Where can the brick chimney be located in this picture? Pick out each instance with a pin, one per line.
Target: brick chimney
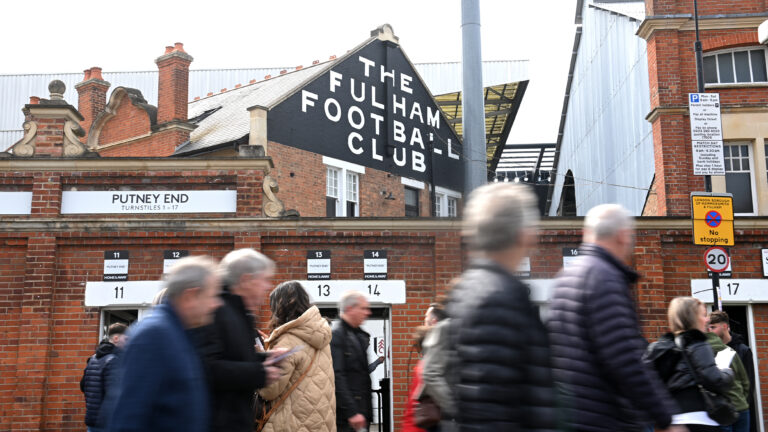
(173, 84)
(92, 96)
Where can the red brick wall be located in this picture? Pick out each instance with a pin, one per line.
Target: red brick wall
(13, 251)
(705, 7)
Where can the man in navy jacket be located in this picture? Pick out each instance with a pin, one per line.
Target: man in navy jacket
(595, 335)
(163, 387)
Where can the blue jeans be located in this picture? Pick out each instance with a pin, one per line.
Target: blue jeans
(741, 425)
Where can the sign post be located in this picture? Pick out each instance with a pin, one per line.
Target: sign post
(706, 134)
(713, 226)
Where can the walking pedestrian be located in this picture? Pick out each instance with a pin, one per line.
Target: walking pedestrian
(99, 381)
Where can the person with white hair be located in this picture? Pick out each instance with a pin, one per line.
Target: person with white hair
(496, 355)
(349, 349)
(595, 335)
(235, 369)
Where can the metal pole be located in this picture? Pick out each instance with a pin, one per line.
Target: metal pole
(716, 291)
(472, 106)
(700, 73)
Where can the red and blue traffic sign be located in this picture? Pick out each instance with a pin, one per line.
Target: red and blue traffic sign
(713, 219)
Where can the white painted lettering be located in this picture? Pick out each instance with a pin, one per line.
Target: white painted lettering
(375, 155)
(416, 138)
(450, 153)
(374, 102)
(335, 79)
(396, 105)
(351, 144)
(433, 118)
(398, 161)
(405, 83)
(368, 65)
(385, 75)
(307, 100)
(399, 131)
(335, 117)
(416, 111)
(378, 119)
(417, 162)
(362, 90)
(361, 117)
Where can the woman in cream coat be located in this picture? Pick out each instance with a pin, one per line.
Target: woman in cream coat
(311, 406)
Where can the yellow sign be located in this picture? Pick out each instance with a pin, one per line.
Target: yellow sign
(705, 204)
(712, 220)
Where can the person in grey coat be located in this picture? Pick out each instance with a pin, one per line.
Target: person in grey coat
(595, 335)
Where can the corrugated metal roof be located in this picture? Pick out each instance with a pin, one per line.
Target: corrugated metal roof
(15, 90)
(630, 9)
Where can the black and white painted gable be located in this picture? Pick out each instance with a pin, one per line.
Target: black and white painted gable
(372, 108)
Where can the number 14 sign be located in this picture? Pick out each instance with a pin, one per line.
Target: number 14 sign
(376, 291)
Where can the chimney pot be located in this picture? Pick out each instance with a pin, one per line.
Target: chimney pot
(178, 46)
(251, 81)
(266, 77)
(283, 72)
(96, 73)
(314, 62)
(224, 89)
(87, 75)
(238, 85)
(197, 97)
(210, 94)
(168, 49)
(34, 100)
(333, 57)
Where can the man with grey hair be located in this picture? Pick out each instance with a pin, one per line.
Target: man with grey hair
(235, 369)
(349, 349)
(497, 355)
(163, 386)
(595, 335)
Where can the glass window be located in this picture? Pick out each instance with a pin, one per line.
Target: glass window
(439, 204)
(332, 183)
(738, 176)
(742, 66)
(411, 202)
(452, 204)
(342, 193)
(352, 187)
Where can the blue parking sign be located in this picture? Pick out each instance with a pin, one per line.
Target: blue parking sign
(694, 97)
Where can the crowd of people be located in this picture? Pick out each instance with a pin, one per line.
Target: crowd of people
(488, 362)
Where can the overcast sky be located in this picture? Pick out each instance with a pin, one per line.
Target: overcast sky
(46, 36)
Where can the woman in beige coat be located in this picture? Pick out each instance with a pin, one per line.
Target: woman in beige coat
(311, 406)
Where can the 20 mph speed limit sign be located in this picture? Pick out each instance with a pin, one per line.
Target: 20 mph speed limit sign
(716, 259)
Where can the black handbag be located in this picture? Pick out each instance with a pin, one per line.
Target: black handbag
(426, 413)
(719, 408)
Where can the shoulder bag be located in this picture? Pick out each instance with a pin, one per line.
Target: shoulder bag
(263, 417)
(719, 408)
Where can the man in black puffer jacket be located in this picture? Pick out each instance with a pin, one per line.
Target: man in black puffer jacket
(499, 366)
(595, 335)
(100, 377)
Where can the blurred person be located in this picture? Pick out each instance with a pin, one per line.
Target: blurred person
(349, 348)
(740, 390)
(597, 347)
(163, 387)
(99, 379)
(497, 352)
(435, 313)
(303, 398)
(234, 368)
(720, 324)
(687, 323)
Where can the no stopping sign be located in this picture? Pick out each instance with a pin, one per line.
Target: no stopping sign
(716, 259)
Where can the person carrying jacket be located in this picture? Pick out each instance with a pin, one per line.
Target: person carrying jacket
(234, 368)
(100, 376)
(306, 384)
(498, 365)
(595, 335)
(738, 394)
(688, 322)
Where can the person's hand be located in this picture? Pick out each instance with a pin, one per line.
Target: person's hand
(674, 428)
(263, 335)
(357, 421)
(272, 374)
(381, 359)
(271, 354)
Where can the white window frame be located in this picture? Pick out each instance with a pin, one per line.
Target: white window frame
(345, 171)
(731, 51)
(753, 185)
(441, 201)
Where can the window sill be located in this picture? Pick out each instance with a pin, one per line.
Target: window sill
(736, 85)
